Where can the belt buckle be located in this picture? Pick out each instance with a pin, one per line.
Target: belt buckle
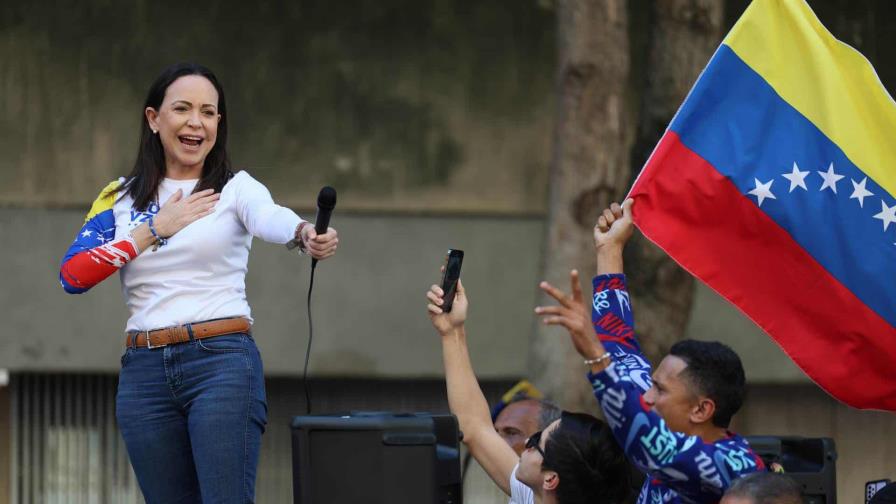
(149, 344)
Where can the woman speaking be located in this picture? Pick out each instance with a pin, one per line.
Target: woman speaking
(191, 402)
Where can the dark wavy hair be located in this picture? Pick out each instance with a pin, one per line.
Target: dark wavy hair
(142, 184)
(716, 371)
(591, 465)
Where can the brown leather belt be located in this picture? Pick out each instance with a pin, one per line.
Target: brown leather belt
(181, 334)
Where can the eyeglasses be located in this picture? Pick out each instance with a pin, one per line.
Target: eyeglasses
(534, 441)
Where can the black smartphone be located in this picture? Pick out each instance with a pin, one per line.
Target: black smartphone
(449, 277)
(872, 487)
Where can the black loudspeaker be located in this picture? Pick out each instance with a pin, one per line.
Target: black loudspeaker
(376, 458)
(811, 462)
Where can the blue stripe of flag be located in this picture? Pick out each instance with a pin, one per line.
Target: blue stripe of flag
(737, 122)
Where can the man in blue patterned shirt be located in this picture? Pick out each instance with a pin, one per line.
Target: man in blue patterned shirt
(672, 424)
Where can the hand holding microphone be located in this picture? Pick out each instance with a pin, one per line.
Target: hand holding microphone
(320, 246)
(321, 240)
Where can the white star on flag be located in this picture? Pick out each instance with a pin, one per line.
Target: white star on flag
(859, 192)
(830, 179)
(762, 191)
(86, 233)
(797, 178)
(887, 214)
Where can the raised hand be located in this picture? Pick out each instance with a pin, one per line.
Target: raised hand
(179, 212)
(445, 323)
(573, 314)
(614, 227)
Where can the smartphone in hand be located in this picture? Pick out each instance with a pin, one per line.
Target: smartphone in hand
(450, 276)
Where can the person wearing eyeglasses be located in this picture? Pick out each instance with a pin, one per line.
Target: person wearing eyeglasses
(575, 460)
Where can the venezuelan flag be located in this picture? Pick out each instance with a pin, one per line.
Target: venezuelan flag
(775, 185)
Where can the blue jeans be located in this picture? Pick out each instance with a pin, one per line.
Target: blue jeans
(192, 416)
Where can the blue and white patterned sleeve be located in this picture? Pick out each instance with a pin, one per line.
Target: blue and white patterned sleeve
(611, 315)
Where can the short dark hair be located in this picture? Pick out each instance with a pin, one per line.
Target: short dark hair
(591, 465)
(715, 370)
(142, 184)
(766, 488)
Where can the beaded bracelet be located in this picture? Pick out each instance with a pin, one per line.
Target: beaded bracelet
(159, 240)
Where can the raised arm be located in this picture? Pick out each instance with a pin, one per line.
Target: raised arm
(465, 397)
(611, 318)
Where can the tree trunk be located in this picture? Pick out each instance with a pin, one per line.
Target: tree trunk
(589, 169)
(592, 165)
(683, 36)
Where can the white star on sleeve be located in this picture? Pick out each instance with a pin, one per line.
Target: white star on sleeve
(887, 214)
(797, 178)
(859, 192)
(830, 179)
(86, 233)
(762, 191)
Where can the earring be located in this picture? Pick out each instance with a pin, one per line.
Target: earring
(154, 132)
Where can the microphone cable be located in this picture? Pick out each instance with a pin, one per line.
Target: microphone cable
(326, 202)
(308, 348)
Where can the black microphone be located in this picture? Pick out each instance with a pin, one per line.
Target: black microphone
(326, 202)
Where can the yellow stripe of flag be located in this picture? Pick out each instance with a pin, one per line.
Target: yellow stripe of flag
(827, 81)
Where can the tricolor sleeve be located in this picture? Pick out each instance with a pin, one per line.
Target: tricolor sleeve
(96, 254)
(611, 315)
(693, 468)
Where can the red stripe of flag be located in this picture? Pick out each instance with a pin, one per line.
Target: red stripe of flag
(685, 206)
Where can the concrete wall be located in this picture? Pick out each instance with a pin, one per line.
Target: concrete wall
(368, 305)
(369, 308)
(406, 106)
(402, 104)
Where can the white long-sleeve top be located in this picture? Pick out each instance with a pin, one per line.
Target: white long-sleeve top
(200, 274)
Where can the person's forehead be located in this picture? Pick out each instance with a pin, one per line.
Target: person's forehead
(519, 413)
(669, 369)
(195, 89)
